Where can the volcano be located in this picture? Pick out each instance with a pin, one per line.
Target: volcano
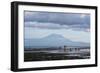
(52, 40)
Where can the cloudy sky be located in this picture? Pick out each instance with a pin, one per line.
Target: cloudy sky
(75, 27)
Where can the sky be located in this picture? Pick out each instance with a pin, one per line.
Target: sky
(72, 26)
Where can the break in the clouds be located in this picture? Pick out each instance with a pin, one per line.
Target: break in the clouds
(54, 20)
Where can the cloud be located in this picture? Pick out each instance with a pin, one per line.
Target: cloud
(45, 25)
(54, 20)
(54, 17)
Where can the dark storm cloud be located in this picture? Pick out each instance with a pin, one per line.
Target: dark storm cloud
(70, 20)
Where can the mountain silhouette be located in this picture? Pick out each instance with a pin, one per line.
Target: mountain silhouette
(53, 40)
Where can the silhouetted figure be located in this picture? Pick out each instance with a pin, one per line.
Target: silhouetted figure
(65, 48)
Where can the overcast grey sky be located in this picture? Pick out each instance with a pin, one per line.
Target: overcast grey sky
(72, 26)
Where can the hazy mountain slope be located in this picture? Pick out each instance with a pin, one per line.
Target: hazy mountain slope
(53, 40)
